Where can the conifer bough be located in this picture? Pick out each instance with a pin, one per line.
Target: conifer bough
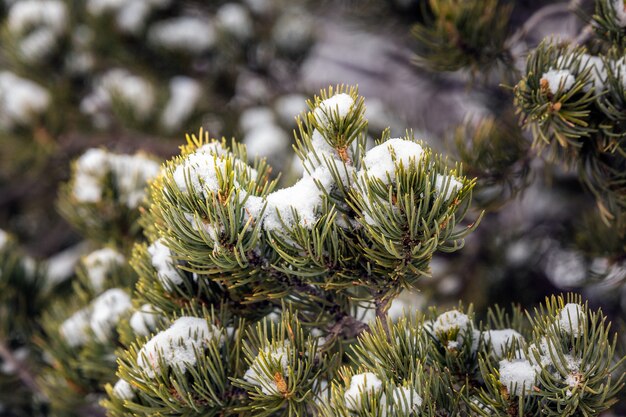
(250, 300)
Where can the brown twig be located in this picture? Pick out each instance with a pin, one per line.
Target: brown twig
(382, 305)
(22, 372)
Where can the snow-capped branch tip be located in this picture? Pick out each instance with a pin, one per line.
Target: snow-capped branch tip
(338, 114)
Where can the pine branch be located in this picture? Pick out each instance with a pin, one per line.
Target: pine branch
(382, 303)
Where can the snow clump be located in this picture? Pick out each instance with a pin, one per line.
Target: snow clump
(119, 84)
(500, 339)
(177, 345)
(123, 390)
(100, 317)
(130, 15)
(26, 15)
(185, 93)
(447, 186)
(339, 104)
(235, 19)
(450, 321)
(4, 239)
(382, 161)
(361, 383)
(107, 309)
(298, 204)
(558, 80)
(144, 320)
(597, 73)
(571, 319)
(201, 170)
(98, 265)
(184, 34)
(74, 329)
(21, 101)
(517, 376)
(131, 174)
(404, 401)
(269, 357)
(38, 25)
(164, 264)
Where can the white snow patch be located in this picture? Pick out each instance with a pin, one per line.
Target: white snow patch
(21, 100)
(130, 174)
(447, 186)
(98, 265)
(177, 345)
(144, 320)
(559, 80)
(185, 93)
(382, 161)
(339, 104)
(235, 19)
(397, 309)
(37, 45)
(321, 151)
(4, 239)
(185, 34)
(266, 141)
(597, 74)
(293, 32)
(261, 7)
(298, 204)
(99, 7)
(164, 264)
(119, 84)
(404, 401)
(257, 374)
(75, 329)
(29, 14)
(566, 268)
(500, 339)
(572, 319)
(254, 117)
(106, 312)
(451, 320)
(201, 169)
(517, 376)
(123, 390)
(91, 168)
(287, 107)
(359, 384)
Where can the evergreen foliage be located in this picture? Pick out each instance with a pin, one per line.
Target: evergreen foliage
(215, 286)
(569, 95)
(251, 300)
(458, 34)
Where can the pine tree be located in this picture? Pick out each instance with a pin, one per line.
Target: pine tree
(216, 285)
(252, 300)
